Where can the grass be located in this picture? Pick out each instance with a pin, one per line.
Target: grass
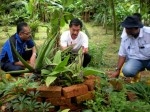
(100, 38)
(105, 61)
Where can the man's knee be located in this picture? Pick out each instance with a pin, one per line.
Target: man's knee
(18, 68)
(11, 67)
(129, 72)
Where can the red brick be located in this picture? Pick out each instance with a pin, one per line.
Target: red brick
(90, 77)
(96, 78)
(90, 83)
(39, 99)
(52, 91)
(75, 90)
(52, 110)
(59, 101)
(87, 96)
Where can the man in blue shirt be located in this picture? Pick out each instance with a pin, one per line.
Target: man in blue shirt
(24, 46)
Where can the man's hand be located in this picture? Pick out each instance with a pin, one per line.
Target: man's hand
(32, 59)
(114, 74)
(84, 50)
(19, 63)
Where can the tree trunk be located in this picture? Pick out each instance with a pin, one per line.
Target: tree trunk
(114, 21)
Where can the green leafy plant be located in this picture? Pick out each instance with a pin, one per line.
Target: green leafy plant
(98, 57)
(34, 23)
(141, 89)
(5, 21)
(44, 107)
(9, 90)
(28, 103)
(109, 100)
(61, 72)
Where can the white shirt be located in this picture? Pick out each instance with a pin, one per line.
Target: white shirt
(123, 33)
(80, 41)
(138, 48)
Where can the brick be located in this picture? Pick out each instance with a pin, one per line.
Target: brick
(91, 81)
(59, 101)
(90, 77)
(96, 78)
(87, 96)
(90, 84)
(52, 91)
(75, 90)
(52, 110)
(39, 99)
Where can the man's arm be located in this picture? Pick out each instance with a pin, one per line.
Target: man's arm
(19, 63)
(84, 50)
(33, 57)
(31, 61)
(85, 43)
(121, 61)
(63, 41)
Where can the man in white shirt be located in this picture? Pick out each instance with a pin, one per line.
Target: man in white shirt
(76, 38)
(136, 46)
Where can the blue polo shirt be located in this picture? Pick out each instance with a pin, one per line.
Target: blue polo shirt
(21, 46)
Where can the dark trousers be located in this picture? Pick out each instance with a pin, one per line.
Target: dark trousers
(9, 66)
(87, 59)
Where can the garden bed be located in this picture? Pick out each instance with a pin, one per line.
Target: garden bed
(70, 97)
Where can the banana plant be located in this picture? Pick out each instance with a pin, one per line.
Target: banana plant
(59, 71)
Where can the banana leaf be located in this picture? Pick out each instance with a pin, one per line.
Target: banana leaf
(18, 71)
(45, 49)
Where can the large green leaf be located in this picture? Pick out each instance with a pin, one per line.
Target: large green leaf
(62, 22)
(50, 47)
(56, 14)
(62, 63)
(68, 16)
(44, 51)
(57, 57)
(60, 70)
(53, 73)
(49, 80)
(47, 61)
(18, 71)
(90, 71)
(45, 71)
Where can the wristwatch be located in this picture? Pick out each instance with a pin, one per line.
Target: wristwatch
(116, 69)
